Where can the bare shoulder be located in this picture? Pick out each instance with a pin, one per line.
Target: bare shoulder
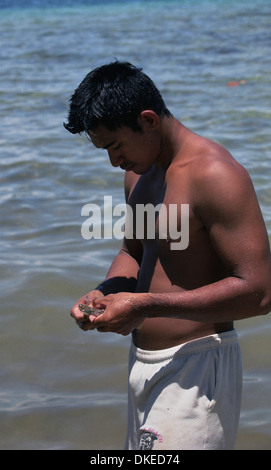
(223, 194)
(218, 176)
(213, 158)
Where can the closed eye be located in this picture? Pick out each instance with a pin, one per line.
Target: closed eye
(116, 147)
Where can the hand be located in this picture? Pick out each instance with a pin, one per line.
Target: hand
(122, 313)
(80, 318)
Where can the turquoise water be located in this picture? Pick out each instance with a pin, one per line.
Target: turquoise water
(62, 388)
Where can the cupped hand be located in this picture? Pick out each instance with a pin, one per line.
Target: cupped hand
(122, 313)
(84, 322)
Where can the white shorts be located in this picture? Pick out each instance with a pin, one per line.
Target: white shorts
(186, 397)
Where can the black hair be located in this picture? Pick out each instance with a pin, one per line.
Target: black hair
(113, 95)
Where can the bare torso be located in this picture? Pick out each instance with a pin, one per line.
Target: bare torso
(167, 296)
(165, 270)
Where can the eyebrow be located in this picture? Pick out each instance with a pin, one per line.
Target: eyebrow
(109, 145)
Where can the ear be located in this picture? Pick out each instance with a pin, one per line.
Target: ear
(149, 119)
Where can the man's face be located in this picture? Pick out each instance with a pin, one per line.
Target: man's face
(130, 150)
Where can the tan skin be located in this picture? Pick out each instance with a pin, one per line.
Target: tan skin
(222, 276)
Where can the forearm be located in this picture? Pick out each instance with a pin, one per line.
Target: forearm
(227, 300)
(122, 275)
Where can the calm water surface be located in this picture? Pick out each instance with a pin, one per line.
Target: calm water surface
(62, 388)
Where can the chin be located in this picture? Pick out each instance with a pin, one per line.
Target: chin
(138, 172)
(141, 171)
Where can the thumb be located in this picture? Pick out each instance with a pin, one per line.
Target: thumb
(99, 306)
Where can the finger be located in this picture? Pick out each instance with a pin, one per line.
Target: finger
(87, 324)
(83, 325)
(78, 314)
(75, 312)
(102, 329)
(97, 320)
(78, 317)
(91, 320)
(99, 304)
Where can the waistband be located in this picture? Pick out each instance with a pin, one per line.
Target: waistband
(205, 343)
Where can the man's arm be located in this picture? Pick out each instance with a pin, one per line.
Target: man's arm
(229, 209)
(227, 204)
(123, 273)
(121, 277)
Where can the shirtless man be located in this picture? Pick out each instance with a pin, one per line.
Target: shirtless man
(178, 304)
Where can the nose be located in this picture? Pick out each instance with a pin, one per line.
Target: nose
(115, 159)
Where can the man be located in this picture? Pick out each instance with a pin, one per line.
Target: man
(179, 301)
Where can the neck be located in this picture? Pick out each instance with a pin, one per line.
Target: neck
(173, 138)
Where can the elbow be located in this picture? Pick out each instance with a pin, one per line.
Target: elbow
(260, 299)
(266, 292)
(265, 303)
(265, 308)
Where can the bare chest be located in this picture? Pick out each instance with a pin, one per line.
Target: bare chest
(158, 210)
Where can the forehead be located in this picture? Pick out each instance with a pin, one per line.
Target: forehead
(104, 138)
